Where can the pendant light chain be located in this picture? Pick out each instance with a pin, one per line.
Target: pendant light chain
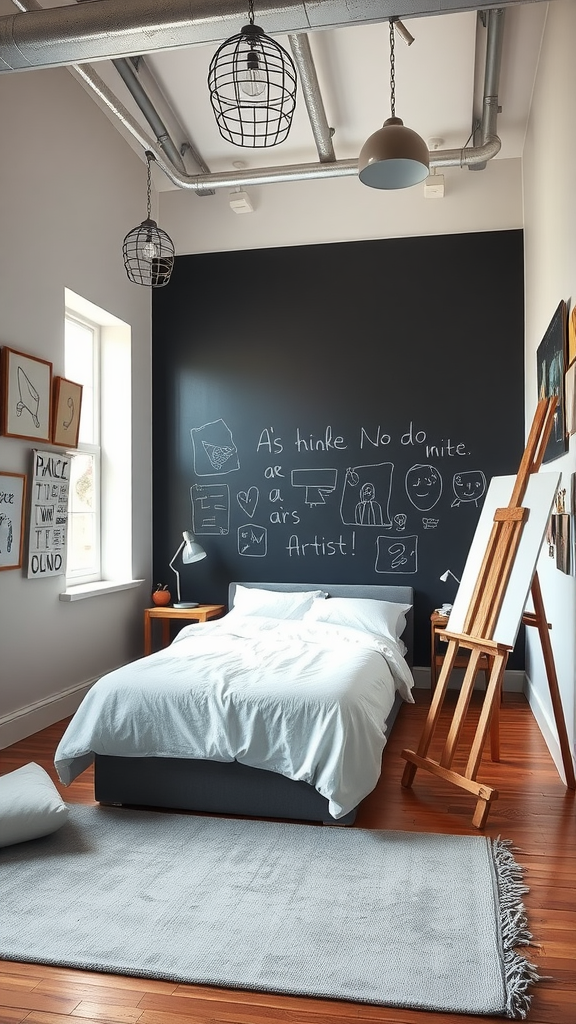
(149, 157)
(392, 71)
(251, 11)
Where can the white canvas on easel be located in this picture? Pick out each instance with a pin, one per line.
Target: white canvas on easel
(539, 500)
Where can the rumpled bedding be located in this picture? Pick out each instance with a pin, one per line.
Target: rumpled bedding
(307, 701)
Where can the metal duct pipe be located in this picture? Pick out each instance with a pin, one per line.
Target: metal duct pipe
(105, 29)
(300, 46)
(202, 183)
(128, 75)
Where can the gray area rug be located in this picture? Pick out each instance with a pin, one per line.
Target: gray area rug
(391, 918)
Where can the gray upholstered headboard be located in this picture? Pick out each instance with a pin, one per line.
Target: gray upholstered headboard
(399, 595)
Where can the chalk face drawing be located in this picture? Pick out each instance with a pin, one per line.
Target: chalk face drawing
(318, 483)
(423, 486)
(252, 540)
(470, 486)
(397, 555)
(248, 500)
(366, 495)
(214, 449)
(210, 508)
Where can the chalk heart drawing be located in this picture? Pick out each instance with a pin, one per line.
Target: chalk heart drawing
(248, 500)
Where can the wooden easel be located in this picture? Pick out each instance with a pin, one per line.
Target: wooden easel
(477, 637)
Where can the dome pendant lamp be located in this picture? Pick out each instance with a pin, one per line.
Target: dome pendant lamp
(394, 156)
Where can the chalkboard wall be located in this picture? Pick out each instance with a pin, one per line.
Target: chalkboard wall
(335, 412)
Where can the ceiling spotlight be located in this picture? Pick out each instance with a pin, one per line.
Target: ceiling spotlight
(394, 156)
(252, 83)
(148, 252)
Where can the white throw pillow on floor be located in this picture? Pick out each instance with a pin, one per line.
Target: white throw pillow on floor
(30, 805)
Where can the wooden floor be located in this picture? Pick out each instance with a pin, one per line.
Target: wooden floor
(534, 810)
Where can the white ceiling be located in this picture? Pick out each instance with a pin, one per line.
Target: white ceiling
(439, 81)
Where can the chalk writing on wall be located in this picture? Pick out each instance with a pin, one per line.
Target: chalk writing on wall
(318, 495)
(49, 493)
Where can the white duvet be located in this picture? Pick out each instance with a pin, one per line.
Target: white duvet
(307, 701)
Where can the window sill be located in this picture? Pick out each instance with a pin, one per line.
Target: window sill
(95, 589)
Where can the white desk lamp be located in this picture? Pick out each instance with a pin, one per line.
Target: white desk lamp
(445, 575)
(192, 551)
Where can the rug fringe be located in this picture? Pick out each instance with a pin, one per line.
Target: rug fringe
(519, 972)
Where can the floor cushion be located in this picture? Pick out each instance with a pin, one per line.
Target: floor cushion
(30, 805)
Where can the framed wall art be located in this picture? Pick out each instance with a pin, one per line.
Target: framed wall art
(551, 361)
(66, 412)
(12, 494)
(48, 526)
(26, 396)
(572, 336)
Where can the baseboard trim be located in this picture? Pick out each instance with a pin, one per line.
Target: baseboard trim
(514, 679)
(24, 722)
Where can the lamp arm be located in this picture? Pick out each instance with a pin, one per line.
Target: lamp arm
(175, 571)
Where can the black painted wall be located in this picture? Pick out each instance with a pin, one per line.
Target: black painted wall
(335, 412)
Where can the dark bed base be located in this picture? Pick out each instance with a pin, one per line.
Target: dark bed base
(214, 787)
(218, 787)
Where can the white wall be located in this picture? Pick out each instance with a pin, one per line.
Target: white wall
(342, 209)
(550, 256)
(70, 190)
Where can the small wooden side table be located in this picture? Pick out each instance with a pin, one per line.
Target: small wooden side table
(200, 614)
(438, 622)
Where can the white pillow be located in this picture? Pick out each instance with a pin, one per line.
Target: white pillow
(30, 805)
(274, 603)
(379, 617)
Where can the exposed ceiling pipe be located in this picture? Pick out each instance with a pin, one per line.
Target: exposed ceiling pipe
(308, 81)
(105, 29)
(203, 183)
(127, 73)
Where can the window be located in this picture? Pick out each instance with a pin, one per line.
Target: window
(82, 365)
(97, 354)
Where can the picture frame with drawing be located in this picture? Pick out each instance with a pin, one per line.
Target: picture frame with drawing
(26, 395)
(67, 405)
(551, 362)
(12, 498)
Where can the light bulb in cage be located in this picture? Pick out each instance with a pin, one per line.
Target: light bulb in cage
(147, 251)
(252, 81)
(252, 84)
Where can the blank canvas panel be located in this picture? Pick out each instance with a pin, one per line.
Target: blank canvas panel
(539, 499)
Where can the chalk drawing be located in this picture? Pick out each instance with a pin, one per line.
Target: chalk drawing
(366, 493)
(214, 449)
(318, 483)
(423, 486)
(469, 486)
(397, 556)
(248, 500)
(210, 508)
(252, 540)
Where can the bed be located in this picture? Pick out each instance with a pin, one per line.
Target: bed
(294, 692)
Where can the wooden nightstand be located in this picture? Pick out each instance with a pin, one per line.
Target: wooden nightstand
(200, 614)
(438, 622)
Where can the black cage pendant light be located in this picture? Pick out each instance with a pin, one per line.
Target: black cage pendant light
(394, 156)
(148, 251)
(252, 83)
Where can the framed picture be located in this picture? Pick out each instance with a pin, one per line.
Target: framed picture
(26, 396)
(570, 398)
(66, 412)
(12, 494)
(562, 539)
(551, 361)
(572, 336)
